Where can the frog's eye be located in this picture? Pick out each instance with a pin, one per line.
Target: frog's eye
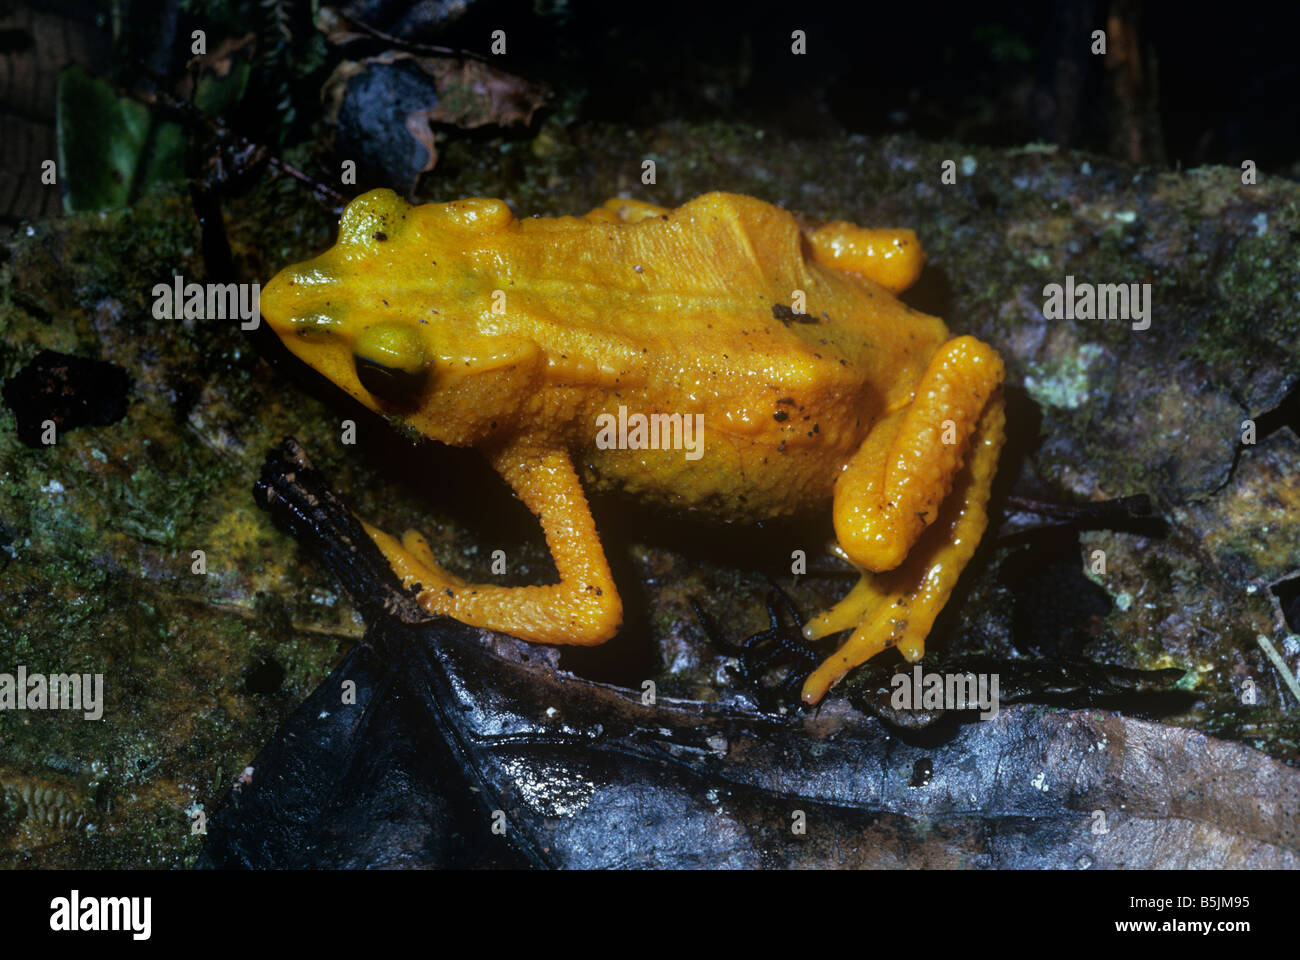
(392, 363)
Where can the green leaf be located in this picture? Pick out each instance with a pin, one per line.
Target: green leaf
(215, 95)
(111, 148)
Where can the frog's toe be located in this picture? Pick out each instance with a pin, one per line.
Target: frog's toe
(412, 560)
(414, 543)
(886, 618)
(848, 613)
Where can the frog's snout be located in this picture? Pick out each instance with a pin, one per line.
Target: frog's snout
(276, 300)
(298, 301)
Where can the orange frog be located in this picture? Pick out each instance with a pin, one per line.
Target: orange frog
(524, 338)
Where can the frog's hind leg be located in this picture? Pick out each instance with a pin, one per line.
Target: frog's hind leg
(583, 608)
(910, 509)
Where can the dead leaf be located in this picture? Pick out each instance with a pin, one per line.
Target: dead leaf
(449, 735)
(383, 108)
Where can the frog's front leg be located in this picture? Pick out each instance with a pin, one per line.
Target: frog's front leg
(583, 608)
(910, 509)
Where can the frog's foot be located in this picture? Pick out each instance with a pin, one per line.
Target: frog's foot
(897, 607)
(892, 258)
(583, 608)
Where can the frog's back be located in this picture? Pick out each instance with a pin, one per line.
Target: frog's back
(701, 295)
(691, 310)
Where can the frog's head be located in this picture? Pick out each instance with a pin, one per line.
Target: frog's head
(390, 314)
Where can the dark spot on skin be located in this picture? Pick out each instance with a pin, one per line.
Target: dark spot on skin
(448, 592)
(780, 416)
(817, 428)
(788, 401)
(787, 315)
(381, 236)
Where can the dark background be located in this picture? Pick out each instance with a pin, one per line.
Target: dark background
(1182, 85)
(1217, 84)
